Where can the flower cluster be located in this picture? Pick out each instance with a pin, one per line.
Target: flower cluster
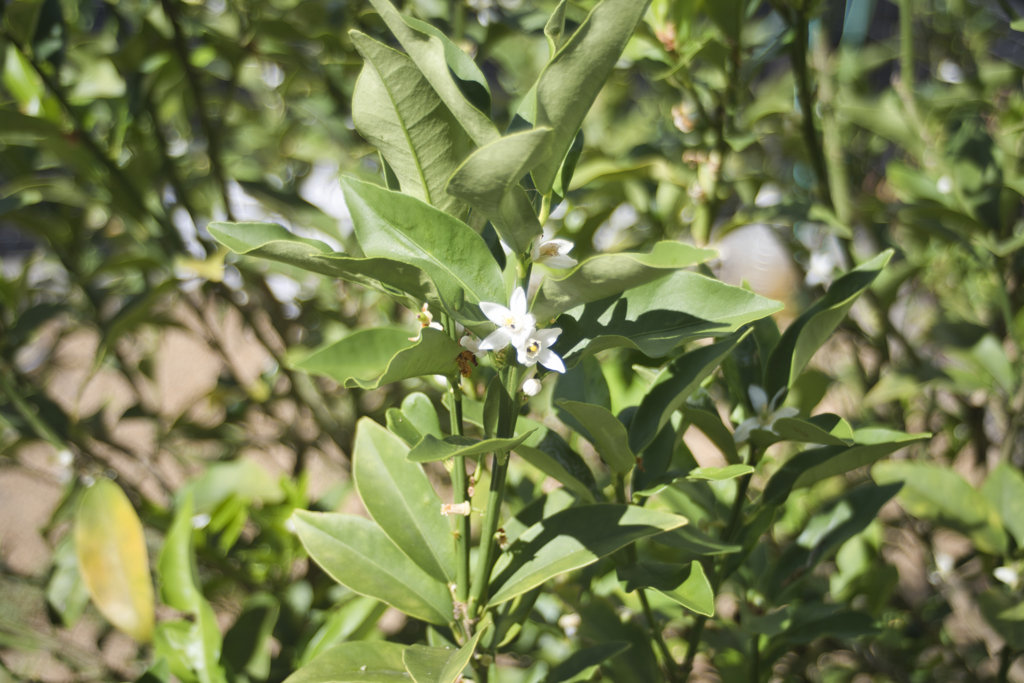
(518, 326)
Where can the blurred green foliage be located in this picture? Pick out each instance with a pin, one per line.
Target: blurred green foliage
(846, 128)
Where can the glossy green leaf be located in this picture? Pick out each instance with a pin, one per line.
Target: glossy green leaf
(609, 436)
(807, 333)
(572, 79)
(1004, 489)
(572, 539)
(197, 642)
(695, 592)
(395, 226)
(944, 497)
(489, 181)
(438, 664)
(673, 386)
(400, 498)
(356, 553)
(445, 66)
(606, 275)
(815, 464)
(398, 112)
(115, 565)
(377, 356)
(402, 427)
(848, 516)
(407, 284)
(810, 622)
(432, 449)
(656, 317)
(580, 665)
(718, 473)
(362, 661)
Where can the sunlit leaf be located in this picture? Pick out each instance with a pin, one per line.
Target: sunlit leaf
(115, 565)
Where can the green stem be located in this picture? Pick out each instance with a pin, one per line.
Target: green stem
(671, 666)
(508, 414)
(798, 57)
(906, 45)
(755, 658)
(212, 140)
(459, 490)
(735, 516)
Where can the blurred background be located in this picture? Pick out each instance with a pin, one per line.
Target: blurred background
(133, 347)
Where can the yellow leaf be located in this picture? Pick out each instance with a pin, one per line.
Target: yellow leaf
(113, 560)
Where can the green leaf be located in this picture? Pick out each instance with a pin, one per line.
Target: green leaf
(673, 386)
(361, 661)
(695, 592)
(489, 181)
(711, 424)
(377, 356)
(356, 553)
(656, 317)
(572, 79)
(396, 226)
(66, 592)
(416, 418)
(446, 67)
(842, 520)
(572, 539)
(808, 332)
(407, 284)
(432, 449)
(353, 620)
(1004, 489)
(398, 112)
(609, 436)
(112, 559)
(606, 275)
(580, 665)
(243, 478)
(826, 429)
(1003, 612)
(400, 498)
(694, 542)
(549, 453)
(941, 495)
(811, 622)
(815, 464)
(554, 29)
(718, 473)
(437, 664)
(247, 644)
(197, 643)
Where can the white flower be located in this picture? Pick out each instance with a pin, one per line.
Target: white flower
(820, 270)
(766, 416)
(535, 349)
(471, 343)
(426, 319)
(944, 184)
(1007, 575)
(514, 323)
(553, 253)
(770, 194)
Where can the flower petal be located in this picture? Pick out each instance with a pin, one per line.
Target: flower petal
(548, 335)
(498, 339)
(551, 361)
(560, 262)
(496, 313)
(758, 398)
(518, 302)
(742, 432)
